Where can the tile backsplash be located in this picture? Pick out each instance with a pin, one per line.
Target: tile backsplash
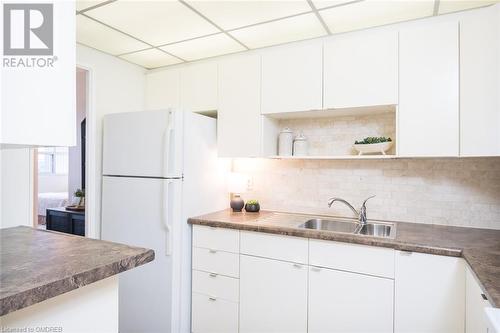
(448, 191)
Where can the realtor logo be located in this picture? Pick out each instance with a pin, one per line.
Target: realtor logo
(28, 29)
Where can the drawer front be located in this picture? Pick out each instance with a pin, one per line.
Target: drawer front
(213, 315)
(353, 258)
(216, 238)
(218, 262)
(216, 285)
(279, 247)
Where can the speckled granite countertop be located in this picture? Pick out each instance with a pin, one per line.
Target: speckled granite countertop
(36, 265)
(479, 247)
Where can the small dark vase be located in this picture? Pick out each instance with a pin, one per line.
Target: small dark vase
(252, 208)
(237, 203)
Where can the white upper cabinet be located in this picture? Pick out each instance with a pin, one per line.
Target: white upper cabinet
(163, 89)
(199, 87)
(292, 78)
(38, 99)
(239, 124)
(429, 293)
(428, 90)
(361, 69)
(480, 83)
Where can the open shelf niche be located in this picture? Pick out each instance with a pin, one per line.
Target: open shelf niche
(331, 133)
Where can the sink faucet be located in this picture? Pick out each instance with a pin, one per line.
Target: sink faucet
(362, 211)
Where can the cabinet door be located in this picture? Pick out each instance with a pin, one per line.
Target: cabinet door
(213, 315)
(480, 83)
(38, 99)
(163, 89)
(348, 302)
(273, 296)
(475, 303)
(199, 87)
(239, 127)
(428, 90)
(292, 78)
(429, 293)
(361, 69)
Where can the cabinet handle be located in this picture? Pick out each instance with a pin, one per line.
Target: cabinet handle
(297, 266)
(484, 297)
(315, 269)
(212, 251)
(213, 299)
(406, 253)
(212, 275)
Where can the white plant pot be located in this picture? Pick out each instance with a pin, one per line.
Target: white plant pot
(373, 148)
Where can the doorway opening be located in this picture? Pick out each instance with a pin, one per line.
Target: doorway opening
(59, 175)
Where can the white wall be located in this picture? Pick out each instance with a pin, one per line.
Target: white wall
(16, 192)
(75, 153)
(52, 183)
(114, 86)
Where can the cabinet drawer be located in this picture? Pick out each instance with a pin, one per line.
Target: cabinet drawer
(279, 247)
(215, 261)
(216, 285)
(213, 315)
(216, 238)
(353, 258)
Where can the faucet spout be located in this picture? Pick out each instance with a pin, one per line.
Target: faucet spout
(361, 215)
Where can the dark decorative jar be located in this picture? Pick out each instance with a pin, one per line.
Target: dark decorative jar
(252, 206)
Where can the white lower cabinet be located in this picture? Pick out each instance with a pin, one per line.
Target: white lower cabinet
(475, 303)
(429, 293)
(273, 296)
(213, 315)
(348, 302)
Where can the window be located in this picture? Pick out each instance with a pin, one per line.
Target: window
(53, 160)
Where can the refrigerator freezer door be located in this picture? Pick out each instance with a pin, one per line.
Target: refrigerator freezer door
(145, 212)
(143, 144)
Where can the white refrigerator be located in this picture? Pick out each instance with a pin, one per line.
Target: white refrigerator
(159, 168)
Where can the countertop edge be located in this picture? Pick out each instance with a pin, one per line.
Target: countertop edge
(55, 288)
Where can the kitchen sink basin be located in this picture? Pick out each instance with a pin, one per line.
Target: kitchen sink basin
(384, 230)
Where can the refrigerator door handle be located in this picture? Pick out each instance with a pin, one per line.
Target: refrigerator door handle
(166, 145)
(165, 217)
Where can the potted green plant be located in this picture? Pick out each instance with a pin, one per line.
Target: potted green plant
(80, 194)
(252, 206)
(373, 144)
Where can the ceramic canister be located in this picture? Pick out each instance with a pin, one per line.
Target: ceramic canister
(285, 142)
(300, 146)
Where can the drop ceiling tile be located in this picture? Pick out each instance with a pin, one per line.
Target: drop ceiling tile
(236, 14)
(151, 58)
(204, 47)
(329, 3)
(448, 6)
(155, 22)
(371, 13)
(278, 32)
(96, 35)
(84, 4)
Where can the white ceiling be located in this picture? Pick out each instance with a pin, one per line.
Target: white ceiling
(166, 32)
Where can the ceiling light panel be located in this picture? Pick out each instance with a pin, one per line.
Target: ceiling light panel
(371, 13)
(329, 3)
(81, 5)
(98, 36)
(151, 58)
(283, 31)
(155, 22)
(448, 6)
(237, 14)
(204, 47)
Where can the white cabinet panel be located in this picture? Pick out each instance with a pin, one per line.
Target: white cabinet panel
(287, 248)
(163, 89)
(273, 296)
(361, 69)
(239, 127)
(292, 78)
(213, 315)
(475, 319)
(216, 238)
(346, 302)
(480, 83)
(218, 262)
(428, 90)
(429, 293)
(199, 86)
(215, 285)
(38, 104)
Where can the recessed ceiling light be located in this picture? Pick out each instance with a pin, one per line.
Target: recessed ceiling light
(151, 58)
(204, 47)
(371, 13)
(282, 31)
(98, 36)
(155, 22)
(237, 14)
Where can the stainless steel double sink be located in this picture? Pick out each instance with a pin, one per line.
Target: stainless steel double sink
(373, 229)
